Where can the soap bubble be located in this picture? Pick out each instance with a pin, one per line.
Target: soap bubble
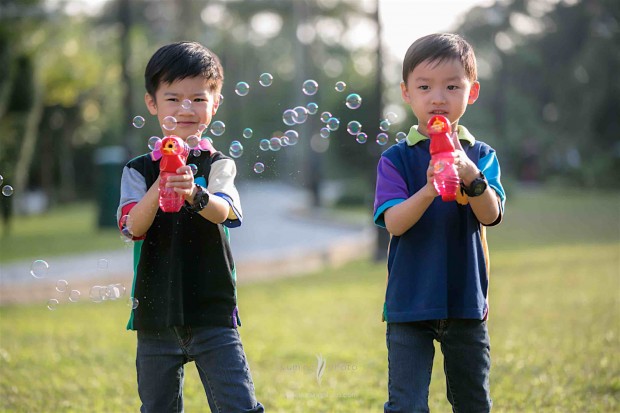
(354, 127)
(38, 268)
(400, 136)
(61, 286)
(196, 153)
(102, 264)
(340, 86)
(310, 87)
(382, 138)
(7, 190)
(289, 117)
(193, 168)
(290, 137)
(301, 114)
(74, 296)
(325, 116)
(186, 104)
(218, 127)
(97, 293)
(312, 108)
(201, 128)
(259, 167)
(384, 125)
(247, 133)
(242, 88)
(265, 79)
(333, 124)
(1, 179)
(192, 141)
(264, 144)
(153, 140)
(220, 99)
(324, 132)
(132, 302)
(353, 101)
(52, 303)
(391, 117)
(138, 122)
(275, 144)
(361, 137)
(169, 123)
(235, 149)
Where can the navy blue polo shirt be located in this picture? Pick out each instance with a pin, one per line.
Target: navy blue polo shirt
(439, 268)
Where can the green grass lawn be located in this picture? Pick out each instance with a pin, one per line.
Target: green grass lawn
(70, 229)
(554, 325)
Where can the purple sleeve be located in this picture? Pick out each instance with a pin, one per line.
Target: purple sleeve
(391, 189)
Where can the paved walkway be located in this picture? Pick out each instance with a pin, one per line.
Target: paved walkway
(280, 236)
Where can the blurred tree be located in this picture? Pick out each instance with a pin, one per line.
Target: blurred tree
(549, 90)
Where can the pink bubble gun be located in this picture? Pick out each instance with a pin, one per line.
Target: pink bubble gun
(446, 179)
(174, 154)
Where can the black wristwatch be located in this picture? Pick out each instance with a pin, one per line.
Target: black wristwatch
(477, 186)
(201, 199)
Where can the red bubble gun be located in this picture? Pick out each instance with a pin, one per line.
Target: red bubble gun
(446, 179)
(174, 154)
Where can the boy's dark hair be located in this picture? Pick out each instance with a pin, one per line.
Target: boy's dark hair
(180, 60)
(437, 48)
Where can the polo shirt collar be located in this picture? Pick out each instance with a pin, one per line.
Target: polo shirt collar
(415, 137)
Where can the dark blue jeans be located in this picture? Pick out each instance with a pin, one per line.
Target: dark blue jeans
(220, 360)
(467, 360)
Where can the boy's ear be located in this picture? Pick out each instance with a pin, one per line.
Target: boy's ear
(150, 103)
(404, 92)
(216, 105)
(474, 92)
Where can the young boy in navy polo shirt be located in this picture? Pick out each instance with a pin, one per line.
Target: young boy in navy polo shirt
(184, 273)
(438, 264)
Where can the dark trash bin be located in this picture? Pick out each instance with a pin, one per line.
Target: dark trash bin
(109, 162)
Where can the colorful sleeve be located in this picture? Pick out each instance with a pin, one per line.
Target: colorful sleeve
(489, 165)
(222, 183)
(133, 188)
(391, 189)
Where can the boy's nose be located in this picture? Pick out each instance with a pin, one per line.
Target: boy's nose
(438, 98)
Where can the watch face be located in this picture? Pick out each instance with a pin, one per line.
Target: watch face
(479, 186)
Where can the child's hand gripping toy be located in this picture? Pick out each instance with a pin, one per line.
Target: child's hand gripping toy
(446, 178)
(174, 154)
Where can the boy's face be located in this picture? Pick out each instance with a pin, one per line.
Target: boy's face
(168, 101)
(439, 89)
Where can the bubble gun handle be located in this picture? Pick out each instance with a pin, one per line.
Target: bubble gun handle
(174, 155)
(446, 178)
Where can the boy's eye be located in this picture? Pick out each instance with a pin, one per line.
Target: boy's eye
(200, 100)
(423, 87)
(172, 100)
(453, 87)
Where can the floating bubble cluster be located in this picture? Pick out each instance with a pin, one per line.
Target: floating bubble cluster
(235, 149)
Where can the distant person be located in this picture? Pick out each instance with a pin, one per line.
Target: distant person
(184, 279)
(438, 263)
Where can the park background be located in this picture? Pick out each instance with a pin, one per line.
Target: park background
(71, 83)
